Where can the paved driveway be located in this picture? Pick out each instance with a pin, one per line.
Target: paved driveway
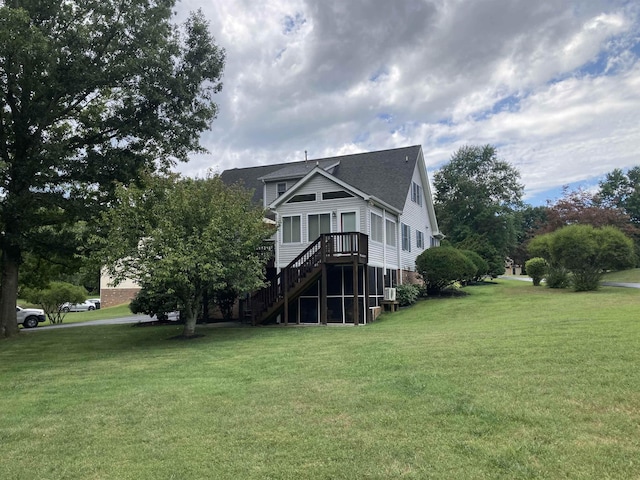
(107, 321)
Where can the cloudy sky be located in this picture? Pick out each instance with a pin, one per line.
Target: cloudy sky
(554, 85)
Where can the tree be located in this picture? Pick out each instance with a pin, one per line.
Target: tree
(622, 190)
(441, 267)
(53, 296)
(187, 237)
(586, 252)
(476, 198)
(92, 94)
(536, 269)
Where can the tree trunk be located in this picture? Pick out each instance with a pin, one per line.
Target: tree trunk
(190, 321)
(9, 292)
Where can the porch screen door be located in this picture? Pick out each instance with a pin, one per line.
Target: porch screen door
(347, 224)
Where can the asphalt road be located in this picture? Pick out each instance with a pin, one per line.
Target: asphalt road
(107, 321)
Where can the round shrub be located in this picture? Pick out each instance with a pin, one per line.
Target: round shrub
(536, 268)
(407, 294)
(441, 267)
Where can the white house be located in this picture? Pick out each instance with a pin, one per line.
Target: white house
(349, 226)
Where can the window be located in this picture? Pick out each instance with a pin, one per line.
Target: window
(376, 227)
(291, 229)
(406, 237)
(336, 194)
(433, 242)
(282, 187)
(308, 197)
(419, 239)
(416, 193)
(318, 224)
(391, 233)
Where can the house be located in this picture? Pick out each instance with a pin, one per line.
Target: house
(349, 227)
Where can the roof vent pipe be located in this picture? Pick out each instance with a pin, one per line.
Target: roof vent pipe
(305, 156)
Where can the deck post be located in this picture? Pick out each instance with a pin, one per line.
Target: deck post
(285, 279)
(365, 270)
(356, 277)
(323, 282)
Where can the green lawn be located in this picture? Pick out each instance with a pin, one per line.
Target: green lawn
(110, 312)
(510, 382)
(625, 276)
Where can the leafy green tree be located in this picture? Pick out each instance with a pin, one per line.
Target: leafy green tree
(537, 269)
(441, 267)
(187, 237)
(622, 190)
(92, 94)
(586, 252)
(51, 297)
(476, 197)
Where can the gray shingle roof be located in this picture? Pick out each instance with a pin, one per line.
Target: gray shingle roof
(385, 174)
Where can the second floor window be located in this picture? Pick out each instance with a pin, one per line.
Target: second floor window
(416, 193)
(391, 233)
(282, 187)
(419, 239)
(291, 229)
(376, 228)
(318, 224)
(406, 237)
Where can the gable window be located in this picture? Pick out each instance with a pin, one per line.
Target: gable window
(282, 187)
(376, 227)
(406, 237)
(391, 233)
(416, 193)
(318, 224)
(291, 229)
(419, 239)
(308, 197)
(336, 194)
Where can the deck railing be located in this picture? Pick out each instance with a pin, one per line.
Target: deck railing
(329, 247)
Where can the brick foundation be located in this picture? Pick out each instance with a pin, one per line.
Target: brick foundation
(110, 297)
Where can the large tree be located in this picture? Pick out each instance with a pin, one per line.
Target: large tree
(92, 93)
(476, 198)
(621, 190)
(187, 237)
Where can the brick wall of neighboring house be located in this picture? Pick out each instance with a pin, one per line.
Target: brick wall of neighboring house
(411, 277)
(110, 297)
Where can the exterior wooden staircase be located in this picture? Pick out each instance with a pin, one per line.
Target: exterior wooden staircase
(306, 268)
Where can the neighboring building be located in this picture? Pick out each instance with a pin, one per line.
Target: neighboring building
(349, 226)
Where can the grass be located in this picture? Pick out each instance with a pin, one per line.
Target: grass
(510, 382)
(118, 311)
(624, 276)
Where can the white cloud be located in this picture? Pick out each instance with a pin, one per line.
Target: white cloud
(553, 84)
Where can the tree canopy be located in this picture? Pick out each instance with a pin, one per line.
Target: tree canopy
(187, 237)
(476, 196)
(93, 93)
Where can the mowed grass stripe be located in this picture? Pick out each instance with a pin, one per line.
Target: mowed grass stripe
(511, 381)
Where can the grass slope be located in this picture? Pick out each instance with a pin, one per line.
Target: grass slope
(509, 382)
(625, 276)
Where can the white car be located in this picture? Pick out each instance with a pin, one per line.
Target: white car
(78, 307)
(30, 317)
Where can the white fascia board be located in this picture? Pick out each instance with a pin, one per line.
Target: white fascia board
(316, 171)
(428, 196)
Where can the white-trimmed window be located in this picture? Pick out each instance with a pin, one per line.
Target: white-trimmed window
(376, 228)
(291, 229)
(282, 188)
(391, 233)
(419, 239)
(416, 193)
(406, 237)
(318, 223)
